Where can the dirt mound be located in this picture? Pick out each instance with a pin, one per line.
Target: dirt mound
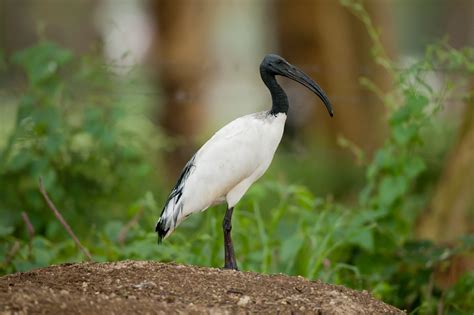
(151, 287)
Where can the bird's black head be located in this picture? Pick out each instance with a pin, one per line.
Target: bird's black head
(275, 65)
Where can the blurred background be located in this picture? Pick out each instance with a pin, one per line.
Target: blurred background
(108, 99)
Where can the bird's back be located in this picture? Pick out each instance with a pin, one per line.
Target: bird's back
(239, 153)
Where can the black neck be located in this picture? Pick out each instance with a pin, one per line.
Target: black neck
(279, 98)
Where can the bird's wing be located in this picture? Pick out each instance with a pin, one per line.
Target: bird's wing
(228, 157)
(173, 208)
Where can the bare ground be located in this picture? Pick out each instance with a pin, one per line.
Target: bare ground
(148, 287)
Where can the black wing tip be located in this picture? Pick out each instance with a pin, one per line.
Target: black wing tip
(161, 230)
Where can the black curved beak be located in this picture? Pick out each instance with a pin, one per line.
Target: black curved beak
(299, 76)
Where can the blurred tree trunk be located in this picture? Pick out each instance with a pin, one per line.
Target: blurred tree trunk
(179, 55)
(333, 47)
(451, 212)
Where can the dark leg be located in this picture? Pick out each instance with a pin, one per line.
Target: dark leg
(230, 262)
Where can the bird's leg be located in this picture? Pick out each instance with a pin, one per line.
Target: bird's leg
(230, 262)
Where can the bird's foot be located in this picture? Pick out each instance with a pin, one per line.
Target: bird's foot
(231, 266)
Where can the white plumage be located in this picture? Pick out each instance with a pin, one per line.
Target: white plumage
(218, 172)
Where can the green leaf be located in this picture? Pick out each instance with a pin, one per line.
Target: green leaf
(413, 166)
(413, 108)
(403, 134)
(363, 237)
(42, 61)
(415, 102)
(391, 188)
(384, 160)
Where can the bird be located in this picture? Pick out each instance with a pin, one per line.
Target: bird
(237, 155)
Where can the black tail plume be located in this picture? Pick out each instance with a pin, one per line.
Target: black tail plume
(161, 230)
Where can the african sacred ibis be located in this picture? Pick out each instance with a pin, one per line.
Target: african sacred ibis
(235, 157)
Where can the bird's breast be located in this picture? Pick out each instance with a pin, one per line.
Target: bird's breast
(272, 131)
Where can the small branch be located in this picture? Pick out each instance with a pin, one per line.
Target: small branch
(124, 230)
(29, 228)
(12, 253)
(61, 219)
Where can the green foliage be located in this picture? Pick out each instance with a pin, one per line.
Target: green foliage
(463, 288)
(75, 127)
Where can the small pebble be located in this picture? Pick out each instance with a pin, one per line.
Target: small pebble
(244, 300)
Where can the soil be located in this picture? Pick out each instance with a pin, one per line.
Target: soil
(148, 287)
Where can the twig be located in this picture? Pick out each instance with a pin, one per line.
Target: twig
(61, 219)
(29, 228)
(124, 230)
(12, 253)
